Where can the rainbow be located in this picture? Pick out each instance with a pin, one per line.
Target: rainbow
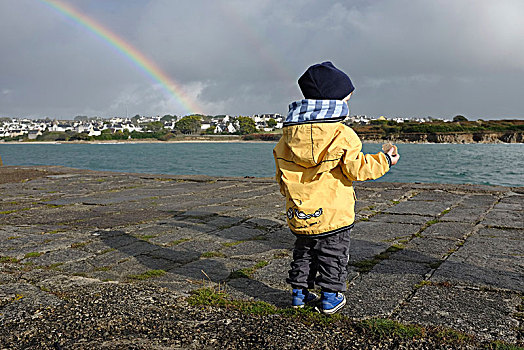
(127, 50)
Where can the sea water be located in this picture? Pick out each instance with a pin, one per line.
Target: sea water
(489, 164)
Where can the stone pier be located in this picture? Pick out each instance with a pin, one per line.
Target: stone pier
(105, 260)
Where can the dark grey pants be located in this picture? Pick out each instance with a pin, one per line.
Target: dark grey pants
(321, 261)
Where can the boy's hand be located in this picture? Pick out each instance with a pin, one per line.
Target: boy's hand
(393, 154)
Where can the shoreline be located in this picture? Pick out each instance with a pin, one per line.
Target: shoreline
(111, 142)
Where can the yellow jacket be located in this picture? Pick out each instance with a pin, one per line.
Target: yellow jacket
(316, 164)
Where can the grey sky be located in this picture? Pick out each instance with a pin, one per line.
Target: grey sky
(434, 58)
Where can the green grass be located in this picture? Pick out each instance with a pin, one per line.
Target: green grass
(80, 274)
(387, 328)
(217, 297)
(147, 275)
(248, 271)
(8, 259)
(102, 268)
(431, 222)
(55, 266)
(79, 244)
(108, 250)
(364, 266)
(8, 211)
(212, 255)
(498, 345)
(232, 244)
(422, 284)
(33, 255)
(56, 231)
(281, 254)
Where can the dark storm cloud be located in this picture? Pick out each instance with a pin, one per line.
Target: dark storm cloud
(407, 58)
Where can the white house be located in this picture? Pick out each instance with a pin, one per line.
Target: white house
(231, 128)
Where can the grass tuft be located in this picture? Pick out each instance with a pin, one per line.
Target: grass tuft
(208, 297)
(248, 271)
(8, 259)
(365, 266)
(33, 255)
(8, 212)
(232, 244)
(218, 297)
(431, 222)
(387, 328)
(146, 275)
(79, 244)
(55, 266)
(445, 211)
(212, 255)
(452, 336)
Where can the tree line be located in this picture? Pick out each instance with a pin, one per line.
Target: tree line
(459, 125)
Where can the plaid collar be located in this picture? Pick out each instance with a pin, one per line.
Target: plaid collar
(316, 111)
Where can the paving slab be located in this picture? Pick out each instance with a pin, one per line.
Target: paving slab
(418, 207)
(489, 258)
(458, 308)
(425, 250)
(505, 218)
(376, 231)
(461, 213)
(380, 292)
(448, 230)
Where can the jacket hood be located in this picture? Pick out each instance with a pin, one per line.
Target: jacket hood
(310, 129)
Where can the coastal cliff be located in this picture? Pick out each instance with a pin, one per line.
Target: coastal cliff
(490, 137)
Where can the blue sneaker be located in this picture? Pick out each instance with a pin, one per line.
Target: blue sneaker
(332, 302)
(302, 297)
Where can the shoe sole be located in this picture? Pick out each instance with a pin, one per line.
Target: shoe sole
(308, 303)
(336, 308)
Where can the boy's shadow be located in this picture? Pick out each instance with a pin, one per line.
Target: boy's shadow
(186, 264)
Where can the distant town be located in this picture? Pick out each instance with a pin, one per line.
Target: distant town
(93, 128)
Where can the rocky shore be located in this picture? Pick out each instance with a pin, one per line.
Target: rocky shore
(459, 138)
(100, 260)
(485, 137)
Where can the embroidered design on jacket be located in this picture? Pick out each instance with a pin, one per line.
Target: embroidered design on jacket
(301, 215)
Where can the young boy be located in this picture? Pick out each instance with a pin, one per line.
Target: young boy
(317, 159)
